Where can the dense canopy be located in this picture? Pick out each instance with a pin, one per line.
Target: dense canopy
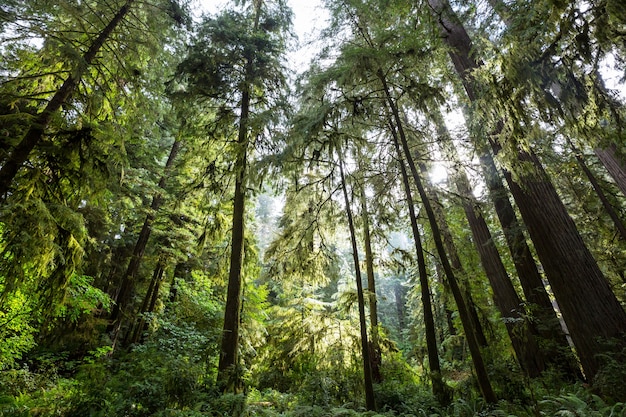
(429, 219)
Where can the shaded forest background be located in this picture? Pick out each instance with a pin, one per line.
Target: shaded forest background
(427, 221)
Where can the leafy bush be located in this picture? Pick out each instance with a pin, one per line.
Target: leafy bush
(580, 404)
(610, 381)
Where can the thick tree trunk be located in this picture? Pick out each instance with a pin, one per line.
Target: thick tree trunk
(556, 346)
(367, 370)
(33, 136)
(441, 391)
(589, 307)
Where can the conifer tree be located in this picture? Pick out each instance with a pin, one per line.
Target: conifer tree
(236, 63)
(588, 304)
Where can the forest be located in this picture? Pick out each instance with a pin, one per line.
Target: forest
(429, 219)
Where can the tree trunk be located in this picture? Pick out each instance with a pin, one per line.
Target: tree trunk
(126, 288)
(178, 272)
(589, 307)
(228, 377)
(470, 333)
(619, 225)
(367, 370)
(148, 304)
(33, 136)
(398, 292)
(458, 269)
(614, 165)
(440, 390)
(371, 288)
(506, 299)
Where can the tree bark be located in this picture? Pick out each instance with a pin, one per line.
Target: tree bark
(33, 136)
(371, 289)
(589, 307)
(510, 306)
(367, 369)
(440, 390)
(614, 165)
(126, 288)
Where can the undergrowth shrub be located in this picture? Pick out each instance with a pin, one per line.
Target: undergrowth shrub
(580, 404)
(610, 381)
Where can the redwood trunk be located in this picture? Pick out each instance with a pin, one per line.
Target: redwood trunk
(371, 288)
(614, 165)
(589, 307)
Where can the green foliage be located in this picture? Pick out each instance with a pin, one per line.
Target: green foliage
(609, 381)
(17, 329)
(580, 404)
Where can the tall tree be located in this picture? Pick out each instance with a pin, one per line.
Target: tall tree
(241, 72)
(589, 307)
(365, 349)
(375, 354)
(440, 390)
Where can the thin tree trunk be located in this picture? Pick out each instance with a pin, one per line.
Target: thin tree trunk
(510, 306)
(470, 333)
(125, 291)
(173, 293)
(458, 269)
(619, 225)
(33, 136)
(367, 370)
(440, 390)
(228, 375)
(445, 304)
(148, 304)
(398, 292)
(589, 307)
(371, 289)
